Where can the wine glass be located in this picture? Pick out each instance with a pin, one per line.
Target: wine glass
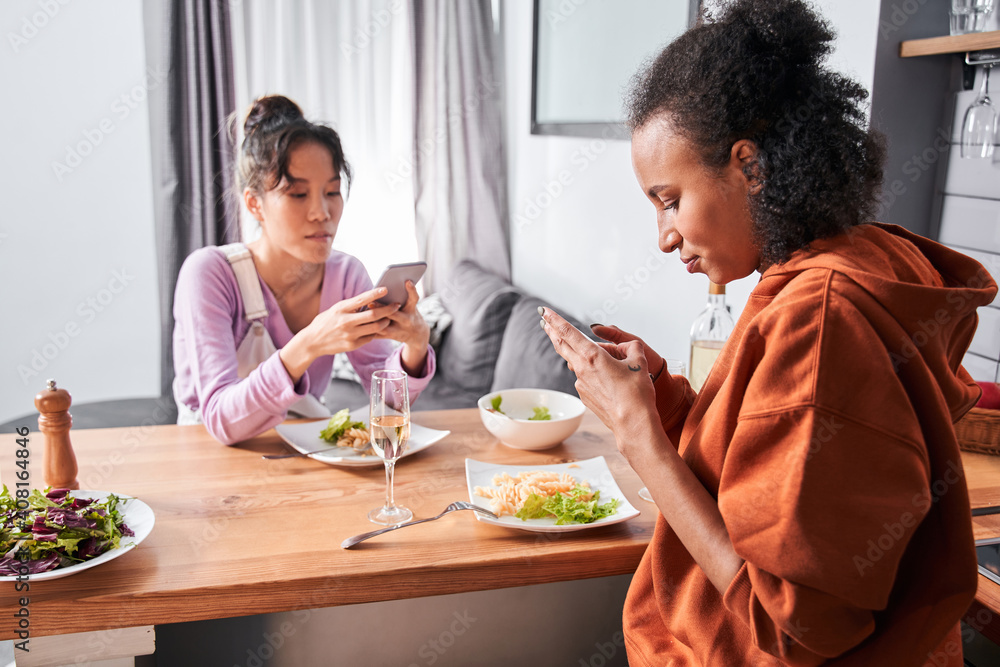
(389, 429)
(674, 367)
(980, 125)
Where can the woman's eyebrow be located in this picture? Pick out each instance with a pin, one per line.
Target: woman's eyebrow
(295, 179)
(655, 190)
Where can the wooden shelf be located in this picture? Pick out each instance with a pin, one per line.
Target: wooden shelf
(974, 41)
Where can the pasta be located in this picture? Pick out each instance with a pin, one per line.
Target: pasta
(507, 495)
(357, 439)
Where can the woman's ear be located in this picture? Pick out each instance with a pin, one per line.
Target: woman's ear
(744, 157)
(253, 204)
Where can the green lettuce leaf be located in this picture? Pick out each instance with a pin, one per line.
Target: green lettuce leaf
(541, 414)
(339, 424)
(497, 400)
(579, 505)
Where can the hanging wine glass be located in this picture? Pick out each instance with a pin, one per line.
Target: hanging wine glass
(979, 129)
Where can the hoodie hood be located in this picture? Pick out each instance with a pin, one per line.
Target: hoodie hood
(929, 290)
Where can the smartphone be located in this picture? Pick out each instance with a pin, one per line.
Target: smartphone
(394, 278)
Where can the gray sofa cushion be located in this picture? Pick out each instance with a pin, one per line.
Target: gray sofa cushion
(527, 358)
(480, 304)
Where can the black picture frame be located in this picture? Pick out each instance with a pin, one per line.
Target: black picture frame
(596, 129)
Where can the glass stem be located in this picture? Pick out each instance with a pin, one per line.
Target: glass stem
(984, 93)
(390, 467)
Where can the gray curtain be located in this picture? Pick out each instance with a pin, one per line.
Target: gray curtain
(193, 199)
(459, 171)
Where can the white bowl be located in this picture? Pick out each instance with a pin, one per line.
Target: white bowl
(514, 429)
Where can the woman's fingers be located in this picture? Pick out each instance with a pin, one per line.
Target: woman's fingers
(612, 349)
(634, 356)
(411, 297)
(564, 336)
(612, 334)
(375, 313)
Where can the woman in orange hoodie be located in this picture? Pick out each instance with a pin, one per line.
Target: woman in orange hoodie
(812, 502)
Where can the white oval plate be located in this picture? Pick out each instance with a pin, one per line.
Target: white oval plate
(304, 437)
(595, 471)
(138, 517)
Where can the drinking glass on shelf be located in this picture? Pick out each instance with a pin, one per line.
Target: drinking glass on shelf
(979, 129)
(389, 429)
(969, 15)
(674, 367)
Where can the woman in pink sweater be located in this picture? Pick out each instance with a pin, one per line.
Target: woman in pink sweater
(318, 301)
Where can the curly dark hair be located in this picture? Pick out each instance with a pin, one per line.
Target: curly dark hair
(754, 71)
(274, 126)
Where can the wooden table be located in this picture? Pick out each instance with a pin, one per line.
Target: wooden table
(237, 535)
(982, 473)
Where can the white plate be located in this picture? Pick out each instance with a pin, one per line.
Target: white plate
(138, 517)
(304, 437)
(595, 471)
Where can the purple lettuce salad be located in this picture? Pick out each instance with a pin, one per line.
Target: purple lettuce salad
(56, 530)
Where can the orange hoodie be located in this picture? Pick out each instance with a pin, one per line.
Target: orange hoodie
(825, 431)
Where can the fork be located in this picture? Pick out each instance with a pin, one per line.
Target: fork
(288, 456)
(458, 505)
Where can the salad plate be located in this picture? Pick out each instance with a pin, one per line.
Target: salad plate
(594, 471)
(304, 437)
(138, 516)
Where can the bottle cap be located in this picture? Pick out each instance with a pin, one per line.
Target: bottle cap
(716, 289)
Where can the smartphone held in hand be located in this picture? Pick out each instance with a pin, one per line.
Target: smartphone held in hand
(394, 279)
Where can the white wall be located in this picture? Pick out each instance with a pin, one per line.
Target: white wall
(77, 260)
(582, 233)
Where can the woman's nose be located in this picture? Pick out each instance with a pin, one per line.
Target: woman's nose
(320, 209)
(669, 239)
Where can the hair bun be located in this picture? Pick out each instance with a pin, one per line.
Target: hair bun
(269, 113)
(782, 31)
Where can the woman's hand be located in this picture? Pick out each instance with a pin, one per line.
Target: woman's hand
(613, 381)
(344, 326)
(408, 327)
(611, 378)
(616, 336)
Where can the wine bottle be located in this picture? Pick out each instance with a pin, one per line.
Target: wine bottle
(709, 333)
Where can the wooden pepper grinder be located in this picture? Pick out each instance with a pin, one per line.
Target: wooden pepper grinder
(54, 421)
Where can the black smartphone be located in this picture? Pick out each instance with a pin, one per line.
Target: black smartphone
(394, 279)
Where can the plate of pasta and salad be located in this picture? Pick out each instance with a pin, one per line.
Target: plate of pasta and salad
(555, 498)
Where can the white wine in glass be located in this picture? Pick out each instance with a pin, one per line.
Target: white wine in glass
(389, 429)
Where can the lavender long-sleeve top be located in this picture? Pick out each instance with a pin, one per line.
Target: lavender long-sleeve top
(209, 325)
